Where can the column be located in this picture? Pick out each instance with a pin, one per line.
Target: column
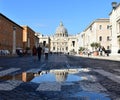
(14, 40)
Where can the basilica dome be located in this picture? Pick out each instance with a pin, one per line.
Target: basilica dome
(61, 31)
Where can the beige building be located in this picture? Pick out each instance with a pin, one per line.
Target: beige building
(115, 28)
(81, 40)
(61, 41)
(29, 38)
(97, 32)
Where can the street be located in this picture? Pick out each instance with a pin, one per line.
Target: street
(77, 78)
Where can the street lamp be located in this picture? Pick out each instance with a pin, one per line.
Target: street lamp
(14, 40)
(114, 5)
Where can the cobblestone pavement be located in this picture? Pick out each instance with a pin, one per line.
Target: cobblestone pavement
(100, 79)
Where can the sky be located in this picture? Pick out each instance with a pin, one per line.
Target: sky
(44, 16)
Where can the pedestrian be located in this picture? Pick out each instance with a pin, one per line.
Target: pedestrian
(103, 49)
(107, 52)
(88, 52)
(34, 53)
(46, 51)
(39, 52)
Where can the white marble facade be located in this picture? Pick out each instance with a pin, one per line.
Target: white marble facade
(61, 41)
(115, 28)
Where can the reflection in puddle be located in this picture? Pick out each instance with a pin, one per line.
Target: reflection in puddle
(50, 77)
(25, 77)
(59, 75)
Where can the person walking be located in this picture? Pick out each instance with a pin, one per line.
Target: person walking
(46, 51)
(39, 52)
(103, 49)
(88, 52)
(34, 53)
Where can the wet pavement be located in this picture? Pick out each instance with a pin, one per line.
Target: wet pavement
(62, 77)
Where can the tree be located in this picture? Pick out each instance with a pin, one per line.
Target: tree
(92, 45)
(95, 45)
(81, 49)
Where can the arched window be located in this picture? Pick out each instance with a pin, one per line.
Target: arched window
(53, 48)
(73, 43)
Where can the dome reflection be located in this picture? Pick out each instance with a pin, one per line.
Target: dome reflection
(61, 76)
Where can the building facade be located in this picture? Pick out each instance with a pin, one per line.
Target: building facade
(97, 32)
(61, 41)
(44, 40)
(29, 38)
(10, 35)
(14, 36)
(115, 28)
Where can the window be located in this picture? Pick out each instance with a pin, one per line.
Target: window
(108, 47)
(44, 43)
(108, 38)
(66, 48)
(73, 43)
(53, 48)
(100, 38)
(107, 26)
(100, 27)
(119, 27)
(91, 28)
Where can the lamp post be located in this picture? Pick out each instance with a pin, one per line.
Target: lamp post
(14, 40)
(114, 5)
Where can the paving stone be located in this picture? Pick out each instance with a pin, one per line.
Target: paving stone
(49, 86)
(9, 85)
(111, 76)
(95, 87)
(118, 70)
(8, 71)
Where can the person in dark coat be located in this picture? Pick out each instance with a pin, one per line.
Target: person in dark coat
(34, 53)
(39, 52)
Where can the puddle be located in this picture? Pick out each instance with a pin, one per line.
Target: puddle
(59, 75)
(54, 75)
(68, 76)
(50, 77)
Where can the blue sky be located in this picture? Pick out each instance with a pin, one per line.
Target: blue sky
(44, 16)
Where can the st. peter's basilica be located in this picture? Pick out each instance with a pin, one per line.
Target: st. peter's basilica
(61, 41)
